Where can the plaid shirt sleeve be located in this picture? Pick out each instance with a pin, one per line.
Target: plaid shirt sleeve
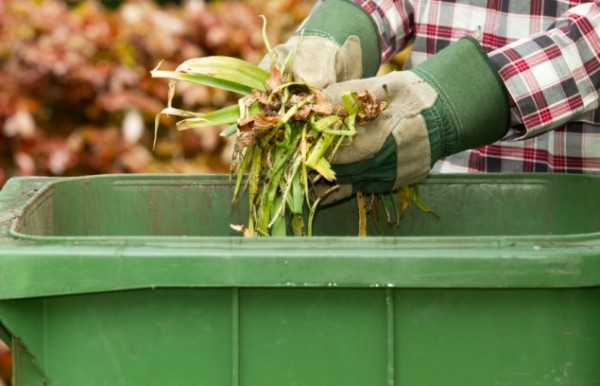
(554, 76)
(394, 21)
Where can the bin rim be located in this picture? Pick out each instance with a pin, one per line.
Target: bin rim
(42, 266)
(589, 239)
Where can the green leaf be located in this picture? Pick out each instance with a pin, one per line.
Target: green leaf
(219, 117)
(231, 130)
(267, 44)
(279, 228)
(231, 74)
(297, 197)
(298, 225)
(220, 63)
(349, 100)
(324, 168)
(324, 123)
(227, 68)
(316, 153)
(204, 80)
(241, 172)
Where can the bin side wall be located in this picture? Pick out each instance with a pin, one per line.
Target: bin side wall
(313, 337)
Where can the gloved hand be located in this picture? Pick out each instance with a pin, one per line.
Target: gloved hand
(318, 60)
(453, 101)
(328, 52)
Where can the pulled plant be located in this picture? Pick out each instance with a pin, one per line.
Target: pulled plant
(287, 132)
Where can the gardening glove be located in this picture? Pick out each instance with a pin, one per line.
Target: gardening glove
(335, 63)
(453, 101)
(324, 52)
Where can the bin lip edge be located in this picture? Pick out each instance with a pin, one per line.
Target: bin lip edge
(421, 242)
(380, 242)
(564, 261)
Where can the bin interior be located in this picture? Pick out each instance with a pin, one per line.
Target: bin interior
(200, 205)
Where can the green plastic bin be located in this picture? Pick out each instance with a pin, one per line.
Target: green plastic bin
(138, 280)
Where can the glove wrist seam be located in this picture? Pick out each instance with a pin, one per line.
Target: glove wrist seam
(471, 98)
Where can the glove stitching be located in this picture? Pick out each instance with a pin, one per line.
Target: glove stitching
(445, 100)
(322, 34)
(442, 147)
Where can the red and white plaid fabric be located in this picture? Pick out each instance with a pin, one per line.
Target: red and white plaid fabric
(548, 54)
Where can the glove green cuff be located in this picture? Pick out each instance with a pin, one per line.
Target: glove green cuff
(373, 175)
(472, 107)
(339, 19)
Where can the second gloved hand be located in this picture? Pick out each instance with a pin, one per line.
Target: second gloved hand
(326, 51)
(451, 102)
(318, 60)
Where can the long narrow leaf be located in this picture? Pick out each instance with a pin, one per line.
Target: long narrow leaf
(227, 73)
(205, 80)
(324, 168)
(279, 228)
(316, 153)
(241, 172)
(231, 74)
(231, 130)
(170, 111)
(267, 44)
(222, 64)
(220, 117)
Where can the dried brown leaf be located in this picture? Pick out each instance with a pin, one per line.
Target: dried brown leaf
(321, 105)
(274, 80)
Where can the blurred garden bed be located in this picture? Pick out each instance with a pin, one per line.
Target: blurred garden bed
(75, 93)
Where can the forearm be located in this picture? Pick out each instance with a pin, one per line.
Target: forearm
(553, 77)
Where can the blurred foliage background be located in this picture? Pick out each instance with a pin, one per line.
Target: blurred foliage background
(75, 93)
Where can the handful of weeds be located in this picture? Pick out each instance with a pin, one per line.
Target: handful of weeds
(287, 133)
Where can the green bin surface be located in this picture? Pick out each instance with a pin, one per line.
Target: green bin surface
(139, 280)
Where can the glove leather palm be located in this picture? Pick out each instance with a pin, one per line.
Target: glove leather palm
(451, 102)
